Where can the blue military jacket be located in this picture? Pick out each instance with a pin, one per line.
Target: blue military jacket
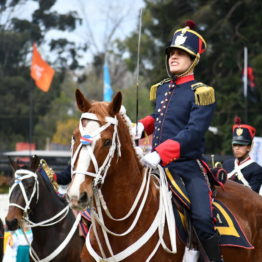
(252, 173)
(64, 177)
(180, 119)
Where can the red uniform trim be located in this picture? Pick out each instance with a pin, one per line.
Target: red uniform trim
(200, 48)
(184, 79)
(251, 129)
(240, 163)
(55, 177)
(149, 124)
(168, 151)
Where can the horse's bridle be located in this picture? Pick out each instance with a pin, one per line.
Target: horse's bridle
(86, 141)
(20, 175)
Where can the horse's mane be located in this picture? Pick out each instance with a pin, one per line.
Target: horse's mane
(128, 123)
(50, 187)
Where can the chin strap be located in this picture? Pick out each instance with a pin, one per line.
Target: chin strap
(191, 67)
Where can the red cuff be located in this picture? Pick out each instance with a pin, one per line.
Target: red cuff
(55, 177)
(168, 151)
(149, 124)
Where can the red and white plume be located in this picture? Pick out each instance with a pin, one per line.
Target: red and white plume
(191, 24)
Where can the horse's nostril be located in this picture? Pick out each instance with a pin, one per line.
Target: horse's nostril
(83, 197)
(12, 224)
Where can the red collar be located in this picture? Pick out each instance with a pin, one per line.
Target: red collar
(243, 161)
(184, 79)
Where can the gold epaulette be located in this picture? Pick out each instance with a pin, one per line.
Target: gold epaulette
(204, 95)
(154, 87)
(50, 173)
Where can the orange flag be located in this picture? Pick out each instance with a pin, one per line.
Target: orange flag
(41, 72)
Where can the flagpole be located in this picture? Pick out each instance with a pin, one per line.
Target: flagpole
(245, 81)
(138, 63)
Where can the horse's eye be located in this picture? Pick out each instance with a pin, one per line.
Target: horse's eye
(107, 142)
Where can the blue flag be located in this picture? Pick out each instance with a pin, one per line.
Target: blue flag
(108, 92)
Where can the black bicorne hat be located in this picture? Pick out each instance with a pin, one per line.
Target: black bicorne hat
(188, 40)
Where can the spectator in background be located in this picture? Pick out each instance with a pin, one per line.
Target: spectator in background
(243, 169)
(17, 248)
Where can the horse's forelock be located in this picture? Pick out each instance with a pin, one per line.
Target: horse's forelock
(100, 109)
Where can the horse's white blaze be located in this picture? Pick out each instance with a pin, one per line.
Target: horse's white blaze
(82, 166)
(83, 160)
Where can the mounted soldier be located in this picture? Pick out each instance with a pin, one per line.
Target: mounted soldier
(183, 112)
(243, 169)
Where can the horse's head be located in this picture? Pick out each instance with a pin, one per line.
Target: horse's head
(23, 193)
(95, 147)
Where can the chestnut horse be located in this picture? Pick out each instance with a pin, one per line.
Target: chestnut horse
(125, 201)
(33, 200)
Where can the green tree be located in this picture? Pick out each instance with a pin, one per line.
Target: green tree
(64, 131)
(16, 39)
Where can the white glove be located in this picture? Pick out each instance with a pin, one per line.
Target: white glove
(151, 160)
(140, 130)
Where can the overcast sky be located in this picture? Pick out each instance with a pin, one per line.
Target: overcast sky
(100, 15)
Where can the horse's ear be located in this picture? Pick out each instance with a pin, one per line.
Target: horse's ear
(13, 164)
(115, 105)
(82, 103)
(35, 161)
